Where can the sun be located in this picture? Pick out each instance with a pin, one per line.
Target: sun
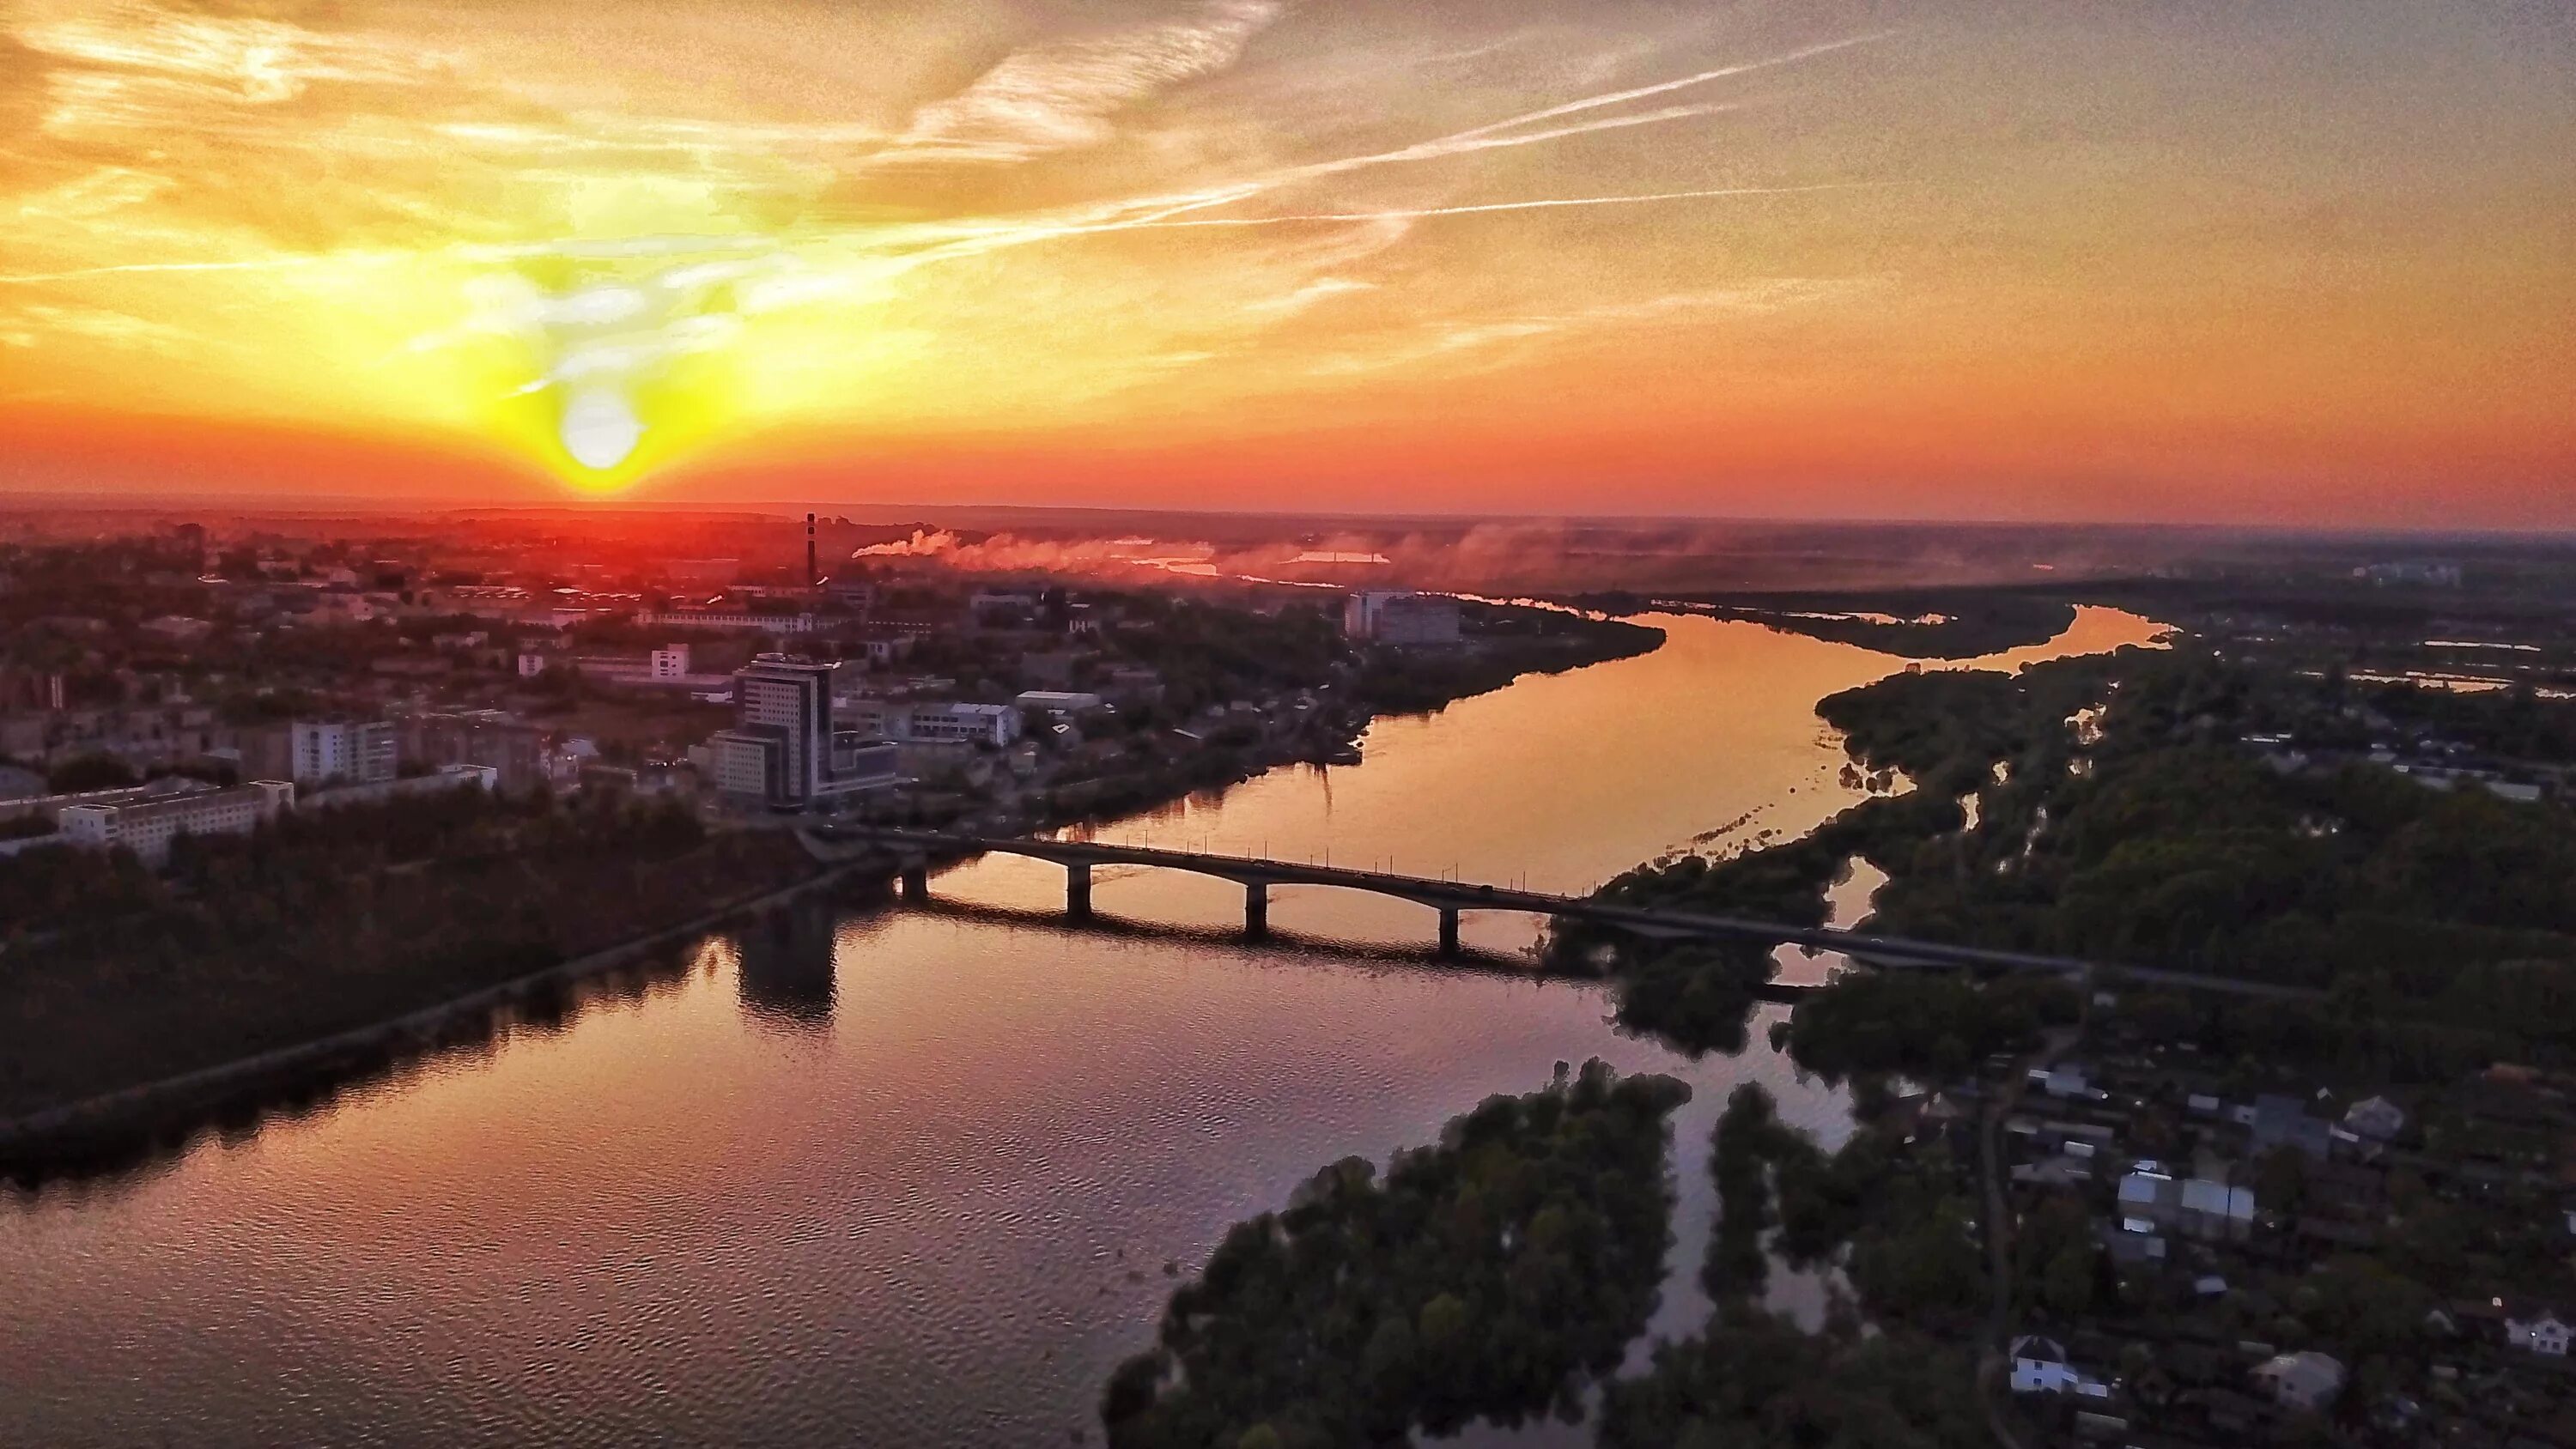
(599, 428)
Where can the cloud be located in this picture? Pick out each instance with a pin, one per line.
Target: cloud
(136, 65)
(1060, 97)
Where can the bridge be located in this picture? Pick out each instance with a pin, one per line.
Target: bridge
(915, 850)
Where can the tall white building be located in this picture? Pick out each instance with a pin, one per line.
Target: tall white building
(1386, 617)
(147, 827)
(786, 749)
(351, 752)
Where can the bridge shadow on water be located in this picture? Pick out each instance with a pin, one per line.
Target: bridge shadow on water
(1283, 944)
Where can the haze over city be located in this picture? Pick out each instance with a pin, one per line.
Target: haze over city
(2291, 263)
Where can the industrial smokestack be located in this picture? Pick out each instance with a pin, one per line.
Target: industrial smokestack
(813, 580)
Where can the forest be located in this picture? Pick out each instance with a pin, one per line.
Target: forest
(2122, 819)
(1900, 1225)
(1490, 1277)
(111, 976)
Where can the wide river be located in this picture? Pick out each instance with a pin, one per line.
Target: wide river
(920, 1176)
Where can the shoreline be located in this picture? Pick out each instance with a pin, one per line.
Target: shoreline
(112, 1129)
(109, 1132)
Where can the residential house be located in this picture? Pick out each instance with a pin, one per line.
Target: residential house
(2304, 1381)
(2375, 1119)
(2280, 1121)
(2040, 1366)
(2539, 1331)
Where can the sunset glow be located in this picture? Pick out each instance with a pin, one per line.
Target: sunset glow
(2298, 262)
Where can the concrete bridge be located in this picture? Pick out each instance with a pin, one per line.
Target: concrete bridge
(916, 850)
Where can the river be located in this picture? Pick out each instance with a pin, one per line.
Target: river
(921, 1176)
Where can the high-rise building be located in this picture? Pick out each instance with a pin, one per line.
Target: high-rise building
(514, 751)
(1387, 617)
(353, 752)
(787, 750)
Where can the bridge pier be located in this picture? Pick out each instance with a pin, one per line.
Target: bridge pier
(1256, 909)
(1077, 891)
(1448, 930)
(915, 882)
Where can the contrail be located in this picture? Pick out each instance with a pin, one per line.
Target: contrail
(269, 264)
(1534, 204)
(1613, 98)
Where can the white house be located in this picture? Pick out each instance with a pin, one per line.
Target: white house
(2376, 1118)
(2543, 1333)
(2039, 1366)
(2306, 1381)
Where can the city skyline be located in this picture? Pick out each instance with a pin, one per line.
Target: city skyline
(2299, 264)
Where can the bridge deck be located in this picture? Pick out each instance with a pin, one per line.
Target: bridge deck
(1446, 895)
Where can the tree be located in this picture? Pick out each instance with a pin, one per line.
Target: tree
(89, 772)
(1444, 1323)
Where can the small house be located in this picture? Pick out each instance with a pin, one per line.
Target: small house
(2375, 1119)
(2304, 1381)
(2542, 1332)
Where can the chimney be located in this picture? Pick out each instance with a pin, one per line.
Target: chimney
(813, 580)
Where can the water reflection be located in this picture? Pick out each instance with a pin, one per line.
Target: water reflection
(915, 1177)
(785, 976)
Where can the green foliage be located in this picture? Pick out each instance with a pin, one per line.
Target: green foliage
(1510, 643)
(2442, 923)
(1488, 1277)
(1753, 1381)
(89, 772)
(1933, 1026)
(326, 921)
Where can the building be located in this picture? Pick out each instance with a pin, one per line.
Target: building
(935, 723)
(351, 752)
(1059, 701)
(729, 620)
(2543, 1333)
(1388, 617)
(2280, 1121)
(2375, 1118)
(961, 724)
(514, 751)
(671, 664)
(439, 781)
(2303, 1381)
(2196, 1207)
(2040, 1366)
(147, 826)
(788, 750)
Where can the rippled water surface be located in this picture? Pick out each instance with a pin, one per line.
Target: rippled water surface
(915, 1177)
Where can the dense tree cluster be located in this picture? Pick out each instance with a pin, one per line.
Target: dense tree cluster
(1489, 1277)
(1511, 643)
(2443, 921)
(111, 976)
(1898, 1223)
(1699, 995)
(1936, 623)
(1754, 1381)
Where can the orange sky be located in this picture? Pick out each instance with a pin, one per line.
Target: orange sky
(2295, 261)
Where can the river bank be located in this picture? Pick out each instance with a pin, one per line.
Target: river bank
(920, 1176)
(120, 1128)
(109, 1130)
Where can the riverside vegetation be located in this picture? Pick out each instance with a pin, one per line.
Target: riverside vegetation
(113, 977)
(2121, 816)
(1492, 1276)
